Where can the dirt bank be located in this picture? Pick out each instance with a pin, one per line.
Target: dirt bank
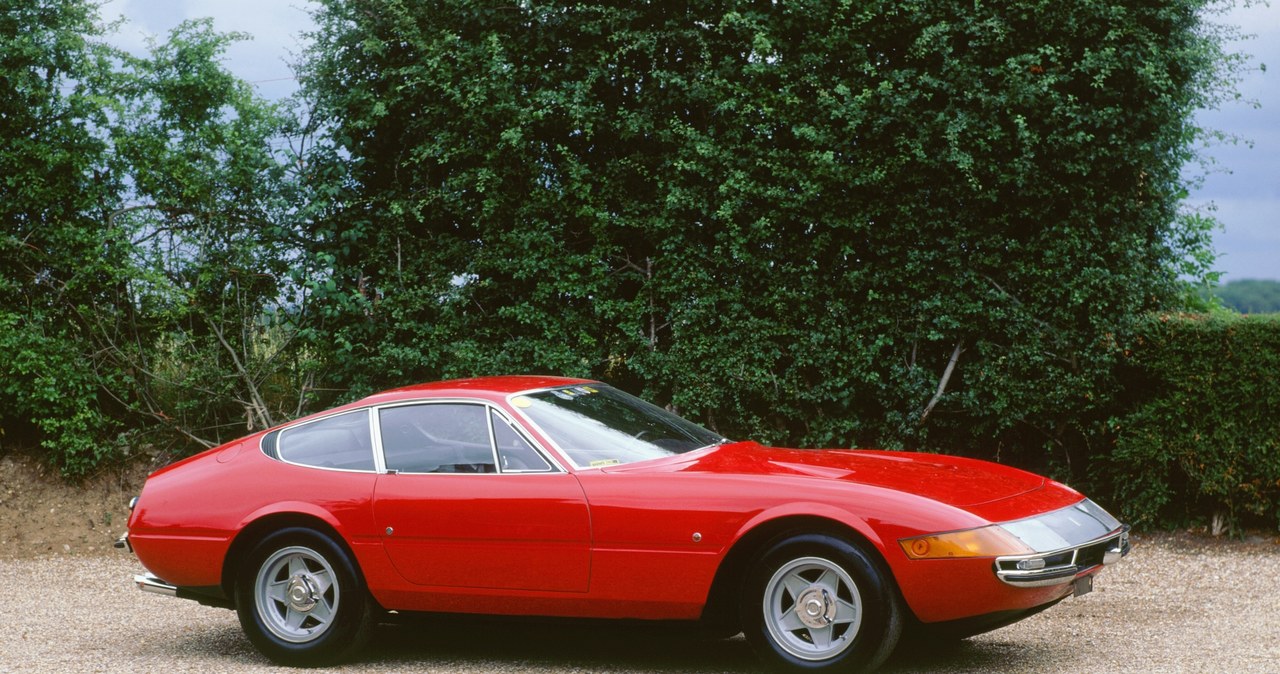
(42, 515)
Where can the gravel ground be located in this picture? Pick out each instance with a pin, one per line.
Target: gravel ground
(1177, 604)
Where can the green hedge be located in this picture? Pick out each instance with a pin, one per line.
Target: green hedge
(1202, 437)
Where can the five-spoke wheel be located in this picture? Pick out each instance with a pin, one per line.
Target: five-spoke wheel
(813, 608)
(296, 595)
(815, 602)
(301, 601)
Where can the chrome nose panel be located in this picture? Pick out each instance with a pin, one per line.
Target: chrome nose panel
(1059, 567)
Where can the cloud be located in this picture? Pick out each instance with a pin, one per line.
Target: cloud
(275, 28)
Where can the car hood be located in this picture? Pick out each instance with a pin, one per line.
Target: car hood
(951, 480)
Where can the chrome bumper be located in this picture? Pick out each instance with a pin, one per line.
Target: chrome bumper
(1059, 567)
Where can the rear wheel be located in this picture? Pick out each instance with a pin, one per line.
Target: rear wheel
(820, 603)
(301, 600)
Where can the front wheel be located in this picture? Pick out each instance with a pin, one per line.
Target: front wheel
(820, 603)
(301, 600)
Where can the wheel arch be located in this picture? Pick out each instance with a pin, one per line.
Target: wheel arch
(760, 535)
(258, 529)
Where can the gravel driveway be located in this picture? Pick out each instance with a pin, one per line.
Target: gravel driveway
(1177, 604)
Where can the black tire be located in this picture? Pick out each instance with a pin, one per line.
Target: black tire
(817, 602)
(301, 600)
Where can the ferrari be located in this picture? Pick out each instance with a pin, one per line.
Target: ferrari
(547, 496)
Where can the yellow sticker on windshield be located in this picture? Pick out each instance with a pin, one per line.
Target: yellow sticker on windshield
(605, 462)
(521, 402)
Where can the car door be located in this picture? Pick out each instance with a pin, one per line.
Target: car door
(468, 502)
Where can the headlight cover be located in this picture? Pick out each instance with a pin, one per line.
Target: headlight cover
(1064, 528)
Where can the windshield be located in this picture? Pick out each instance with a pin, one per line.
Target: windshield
(597, 425)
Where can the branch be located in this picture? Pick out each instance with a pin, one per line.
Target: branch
(259, 405)
(207, 444)
(307, 382)
(627, 264)
(168, 211)
(163, 418)
(1020, 304)
(942, 383)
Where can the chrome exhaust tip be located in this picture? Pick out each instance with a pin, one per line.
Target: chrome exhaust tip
(153, 584)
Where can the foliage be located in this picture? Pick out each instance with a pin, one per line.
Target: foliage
(919, 224)
(1250, 296)
(1201, 437)
(143, 254)
(210, 307)
(913, 224)
(54, 256)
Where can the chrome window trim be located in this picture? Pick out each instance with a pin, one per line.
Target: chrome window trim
(493, 440)
(375, 427)
(556, 467)
(379, 459)
(520, 433)
(532, 424)
(308, 422)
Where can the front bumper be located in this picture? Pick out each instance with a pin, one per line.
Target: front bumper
(1062, 566)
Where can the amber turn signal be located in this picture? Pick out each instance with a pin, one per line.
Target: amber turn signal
(991, 541)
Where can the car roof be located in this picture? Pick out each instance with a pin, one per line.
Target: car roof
(479, 386)
(486, 388)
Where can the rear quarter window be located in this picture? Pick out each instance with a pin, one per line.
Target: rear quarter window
(339, 442)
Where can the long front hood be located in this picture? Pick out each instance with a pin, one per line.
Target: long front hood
(951, 480)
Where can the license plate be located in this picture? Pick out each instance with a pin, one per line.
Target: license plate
(1083, 585)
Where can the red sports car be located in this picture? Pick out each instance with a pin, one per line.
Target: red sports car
(564, 497)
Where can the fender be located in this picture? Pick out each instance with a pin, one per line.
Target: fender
(809, 509)
(291, 508)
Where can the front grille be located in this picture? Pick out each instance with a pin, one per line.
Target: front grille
(1092, 555)
(1060, 567)
(1060, 559)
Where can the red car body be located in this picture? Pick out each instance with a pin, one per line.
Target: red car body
(654, 539)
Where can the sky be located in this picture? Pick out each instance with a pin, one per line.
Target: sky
(1242, 187)
(276, 27)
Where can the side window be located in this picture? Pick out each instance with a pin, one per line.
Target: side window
(437, 438)
(516, 454)
(340, 441)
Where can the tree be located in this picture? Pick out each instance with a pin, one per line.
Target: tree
(918, 224)
(55, 189)
(207, 316)
(147, 255)
(1250, 296)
